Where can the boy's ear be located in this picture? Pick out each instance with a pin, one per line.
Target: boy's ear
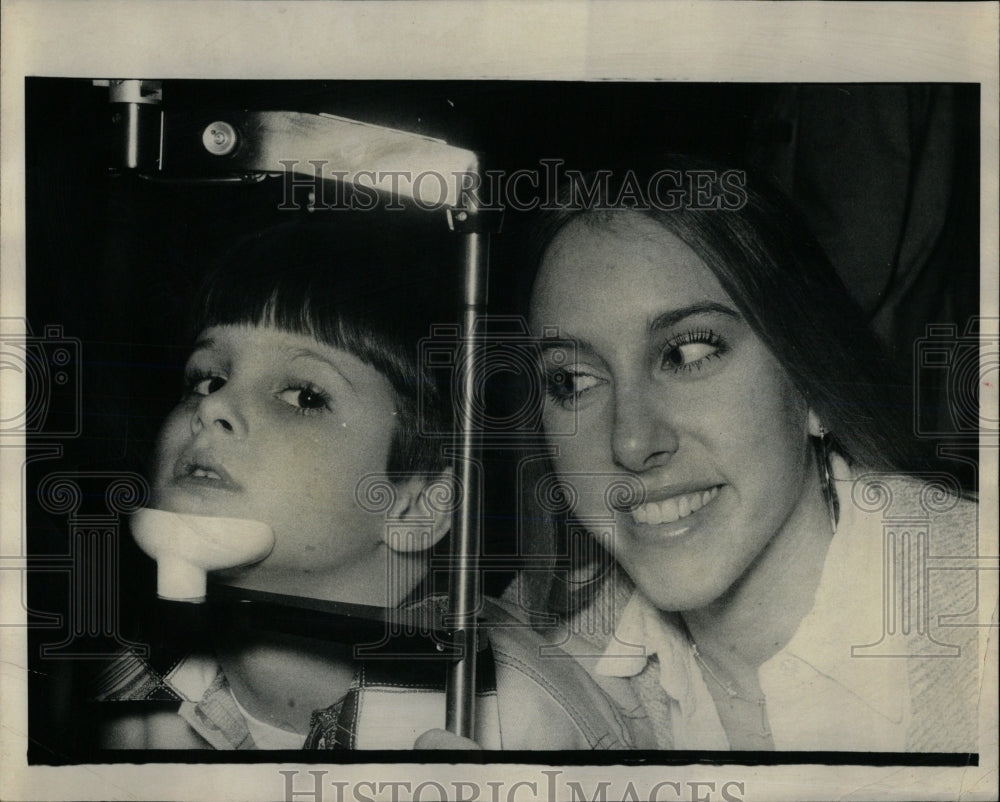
(421, 514)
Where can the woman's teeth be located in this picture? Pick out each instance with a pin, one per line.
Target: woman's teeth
(673, 509)
(205, 473)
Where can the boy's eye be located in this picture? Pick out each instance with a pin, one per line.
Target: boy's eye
(204, 385)
(305, 398)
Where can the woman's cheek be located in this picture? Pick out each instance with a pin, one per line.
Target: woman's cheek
(576, 453)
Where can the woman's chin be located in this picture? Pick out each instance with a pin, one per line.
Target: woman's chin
(678, 586)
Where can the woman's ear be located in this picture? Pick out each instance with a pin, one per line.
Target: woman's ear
(816, 429)
(421, 513)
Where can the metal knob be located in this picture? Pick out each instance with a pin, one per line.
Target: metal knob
(220, 138)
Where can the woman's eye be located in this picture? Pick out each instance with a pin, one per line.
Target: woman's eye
(565, 387)
(681, 356)
(204, 384)
(692, 350)
(305, 398)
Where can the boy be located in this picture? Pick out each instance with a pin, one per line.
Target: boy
(303, 384)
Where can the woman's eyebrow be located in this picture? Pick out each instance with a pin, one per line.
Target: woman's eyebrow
(675, 316)
(578, 345)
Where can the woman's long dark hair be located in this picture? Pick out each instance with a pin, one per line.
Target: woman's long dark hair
(783, 284)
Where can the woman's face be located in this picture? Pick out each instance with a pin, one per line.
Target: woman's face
(278, 427)
(671, 387)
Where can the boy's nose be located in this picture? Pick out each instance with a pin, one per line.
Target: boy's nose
(219, 410)
(642, 437)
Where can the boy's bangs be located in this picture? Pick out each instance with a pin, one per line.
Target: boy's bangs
(236, 300)
(352, 286)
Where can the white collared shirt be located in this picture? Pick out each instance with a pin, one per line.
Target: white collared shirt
(819, 696)
(192, 678)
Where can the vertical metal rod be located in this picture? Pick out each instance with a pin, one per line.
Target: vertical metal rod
(132, 136)
(464, 589)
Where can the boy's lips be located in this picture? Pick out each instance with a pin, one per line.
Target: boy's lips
(203, 471)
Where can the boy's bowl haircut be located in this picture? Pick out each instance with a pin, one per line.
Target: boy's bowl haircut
(370, 284)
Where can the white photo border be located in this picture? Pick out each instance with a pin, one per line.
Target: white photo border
(563, 40)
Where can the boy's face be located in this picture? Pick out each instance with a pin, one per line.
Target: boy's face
(278, 427)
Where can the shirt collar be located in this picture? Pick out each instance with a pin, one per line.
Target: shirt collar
(213, 713)
(850, 589)
(641, 624)
(192, 676)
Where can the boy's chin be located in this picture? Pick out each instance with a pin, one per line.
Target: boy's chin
(250, 577)
(231, 576)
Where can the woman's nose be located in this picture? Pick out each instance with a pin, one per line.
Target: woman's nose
(643, 436)
(220, 410)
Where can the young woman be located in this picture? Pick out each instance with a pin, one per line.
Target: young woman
(736, 453)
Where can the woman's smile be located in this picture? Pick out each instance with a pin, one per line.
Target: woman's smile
(675, 508)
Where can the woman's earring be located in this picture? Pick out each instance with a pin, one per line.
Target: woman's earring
(822, 443)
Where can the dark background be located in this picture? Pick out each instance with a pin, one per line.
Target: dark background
(114, 261)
